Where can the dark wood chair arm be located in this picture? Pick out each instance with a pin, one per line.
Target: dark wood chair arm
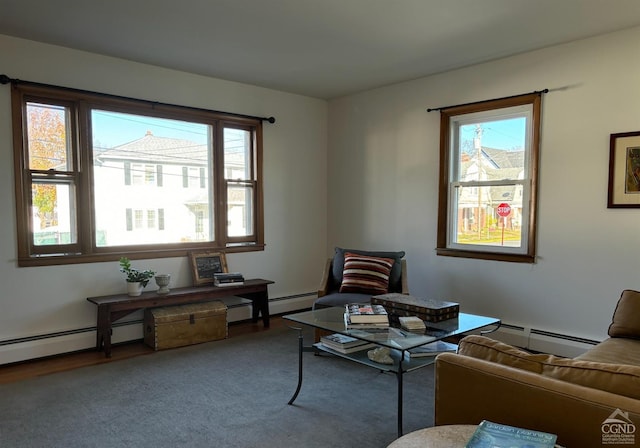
(403, 279)
(324, 283)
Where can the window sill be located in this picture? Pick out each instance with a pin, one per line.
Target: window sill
(513, 258)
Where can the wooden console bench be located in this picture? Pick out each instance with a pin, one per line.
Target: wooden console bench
(112, 308)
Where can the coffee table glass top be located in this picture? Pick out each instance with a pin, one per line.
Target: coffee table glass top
(332, 319)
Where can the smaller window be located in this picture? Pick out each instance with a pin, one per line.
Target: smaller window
(488, 179)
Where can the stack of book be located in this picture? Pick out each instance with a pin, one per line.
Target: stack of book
(345, 344)
(365, 315)
(428, 310)
(228, 279)
(432, 349)
(412, 323)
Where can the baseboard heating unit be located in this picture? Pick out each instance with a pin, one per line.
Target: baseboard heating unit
(542, 341)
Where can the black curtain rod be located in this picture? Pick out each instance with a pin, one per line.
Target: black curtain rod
(4, 79)
(495, 99)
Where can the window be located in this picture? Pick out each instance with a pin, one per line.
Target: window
(99, 176)
(488, 172)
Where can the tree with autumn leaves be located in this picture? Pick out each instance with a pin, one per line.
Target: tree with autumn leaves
(46, 130)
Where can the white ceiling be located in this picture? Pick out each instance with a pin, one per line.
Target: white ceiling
(319, 48)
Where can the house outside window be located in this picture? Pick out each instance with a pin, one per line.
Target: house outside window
(488, 179)
(99, 177)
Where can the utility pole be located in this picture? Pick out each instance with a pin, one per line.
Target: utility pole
(477, 143)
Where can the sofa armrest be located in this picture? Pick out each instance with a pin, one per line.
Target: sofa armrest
(469, 390)
(323, 290)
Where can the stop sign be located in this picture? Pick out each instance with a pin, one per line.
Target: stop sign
(504, 209)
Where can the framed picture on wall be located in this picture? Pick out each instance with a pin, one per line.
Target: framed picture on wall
(205, 264)
(624, 170)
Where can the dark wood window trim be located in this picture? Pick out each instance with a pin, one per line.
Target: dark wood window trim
(533, 99)
(80, 104)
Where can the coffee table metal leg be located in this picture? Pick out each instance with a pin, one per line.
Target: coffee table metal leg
(300, 350)
(400, 393)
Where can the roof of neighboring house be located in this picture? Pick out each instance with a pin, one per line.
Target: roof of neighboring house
(159, 150)
(501, 158)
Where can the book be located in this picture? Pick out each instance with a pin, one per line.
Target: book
(345, 344)
(341, 340)
(228, 276)
(497, 435)
(228, 283)
(228, 279)
(432, 349)
(366, 326)
(357, 348)
(360, 313)
(412, 323)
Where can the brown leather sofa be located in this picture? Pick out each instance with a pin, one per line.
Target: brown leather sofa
(573, 398)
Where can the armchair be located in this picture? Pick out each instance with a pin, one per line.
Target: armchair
(329, 291)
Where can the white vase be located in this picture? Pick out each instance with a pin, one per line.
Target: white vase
(162, 280)
(134, 289)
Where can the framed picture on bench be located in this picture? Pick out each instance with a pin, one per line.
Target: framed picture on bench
(205, 264)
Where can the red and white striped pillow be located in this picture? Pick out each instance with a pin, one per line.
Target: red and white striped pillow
(365, 274)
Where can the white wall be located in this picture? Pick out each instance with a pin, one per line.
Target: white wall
(43, 300)
(383, 184)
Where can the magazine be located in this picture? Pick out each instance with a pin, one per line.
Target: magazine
(432, 349)
(497, 435)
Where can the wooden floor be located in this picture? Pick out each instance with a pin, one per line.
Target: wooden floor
(29, 369)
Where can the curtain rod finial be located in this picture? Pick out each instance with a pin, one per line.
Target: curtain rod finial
(4, 79)
(271, 120)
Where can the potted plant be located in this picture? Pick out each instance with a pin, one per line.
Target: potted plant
(136, 280)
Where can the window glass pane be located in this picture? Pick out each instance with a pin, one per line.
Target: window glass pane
(488, 216)
(237, 154)
(149, 164)
(53, 214)
(239, 210)
(492, 150)
(47, 137)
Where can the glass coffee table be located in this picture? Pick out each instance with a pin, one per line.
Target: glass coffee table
(396, 339)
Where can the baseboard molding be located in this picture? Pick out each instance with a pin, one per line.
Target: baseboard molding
(51, 344)
(40, 346)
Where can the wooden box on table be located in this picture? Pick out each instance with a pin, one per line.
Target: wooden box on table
(177, 326)
(428, 310)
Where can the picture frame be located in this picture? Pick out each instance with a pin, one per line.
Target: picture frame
(624, 170)
(205, 264)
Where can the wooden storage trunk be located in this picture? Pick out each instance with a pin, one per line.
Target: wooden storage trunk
(177, 326)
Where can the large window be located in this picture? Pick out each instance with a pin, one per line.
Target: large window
(99, 176)
(489, 159)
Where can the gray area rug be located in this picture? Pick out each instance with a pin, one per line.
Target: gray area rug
(229, 393)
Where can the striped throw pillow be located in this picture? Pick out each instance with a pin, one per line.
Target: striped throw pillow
(365, 274)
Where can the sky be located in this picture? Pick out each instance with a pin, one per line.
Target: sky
(503, 134)
(113, 129)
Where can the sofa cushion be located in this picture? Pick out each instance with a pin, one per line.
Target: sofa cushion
(626, 317)
(615, 378)
(614, 351)
(396, 270)
(365, 274)
(482, 347)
